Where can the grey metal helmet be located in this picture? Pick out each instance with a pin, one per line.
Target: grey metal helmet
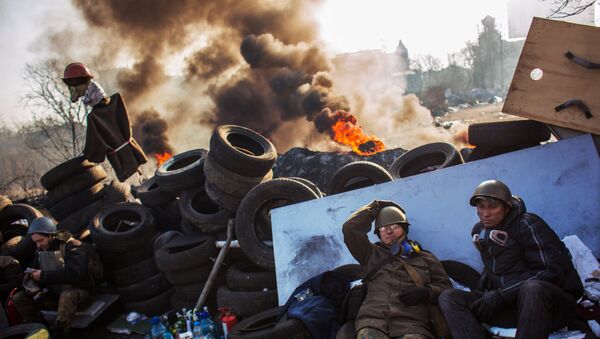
(492, 189)
(391, 215)
(43, 225)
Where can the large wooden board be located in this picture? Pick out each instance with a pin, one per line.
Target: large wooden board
(545, 48)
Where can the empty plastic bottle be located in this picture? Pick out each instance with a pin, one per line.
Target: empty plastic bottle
(197, 331)
(209, 329)
(158, 330)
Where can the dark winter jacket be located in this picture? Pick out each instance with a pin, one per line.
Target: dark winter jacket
(319, 309)
(109, 134)
(76, 263)
(382, 308)
(11, 275)
(533, 251)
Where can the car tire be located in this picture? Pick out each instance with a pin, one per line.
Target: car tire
(76, 183)
(182, 171)
(244, 276)
(242, 150)
(356, 175)
(283, 191)
(64, 171)
(426, 158)
(201, 212)
(268, 325)
(151, 194)
(123, 226)
(246, 303)
(508, 133)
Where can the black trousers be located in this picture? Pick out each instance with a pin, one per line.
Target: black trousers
(540, 308)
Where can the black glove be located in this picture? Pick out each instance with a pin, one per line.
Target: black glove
(415, 295)
(489, 303)
(386, 203)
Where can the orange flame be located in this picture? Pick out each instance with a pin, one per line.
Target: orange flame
(162, 157)
(346, 131)
(462, 137)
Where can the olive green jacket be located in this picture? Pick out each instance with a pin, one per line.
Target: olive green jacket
(382, 308)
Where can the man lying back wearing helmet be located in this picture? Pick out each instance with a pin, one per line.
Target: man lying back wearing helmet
(395, 305)
(62, 267)
(528, 282)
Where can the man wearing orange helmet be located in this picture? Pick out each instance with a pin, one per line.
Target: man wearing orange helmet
(108, 132)
(81, 84)
(529, 280)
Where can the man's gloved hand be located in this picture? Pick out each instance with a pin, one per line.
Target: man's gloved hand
(415, 295)
(386, 203)
(489, 303)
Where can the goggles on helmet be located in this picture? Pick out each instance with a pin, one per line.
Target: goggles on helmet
(390, 227)
(498, 237)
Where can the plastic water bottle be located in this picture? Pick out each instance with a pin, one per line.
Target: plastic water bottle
(158, 330)
(164, 320)
(209, 329)
(197, 331)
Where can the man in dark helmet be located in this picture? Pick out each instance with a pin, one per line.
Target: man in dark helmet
(63, 277)
(406, 279)
(528, 281)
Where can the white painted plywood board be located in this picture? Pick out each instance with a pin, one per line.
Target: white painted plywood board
(558, 181)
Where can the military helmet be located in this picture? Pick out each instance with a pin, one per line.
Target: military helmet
(492, 189)
(43, 225)
(391, 215)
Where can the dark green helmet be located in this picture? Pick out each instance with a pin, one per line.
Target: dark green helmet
(491, 189)
(42, 225)
(391, 215)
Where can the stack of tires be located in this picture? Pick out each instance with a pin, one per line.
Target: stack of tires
(162, 192)
(124, 234)
(14, 220)
(186, 261)
(75, 193)
(238, 172)
(249, 289)
(112, 193)
(238, 160)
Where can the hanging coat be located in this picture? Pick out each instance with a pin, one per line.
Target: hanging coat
(109, 134)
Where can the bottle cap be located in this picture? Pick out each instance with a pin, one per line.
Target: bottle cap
(196, 323)
(155, 320)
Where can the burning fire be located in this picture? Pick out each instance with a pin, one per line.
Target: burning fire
(346, 131)
(462, 137)
(162, 157)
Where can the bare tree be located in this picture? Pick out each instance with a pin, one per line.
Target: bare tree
(425, 63)
(20, 166)
(567, 8)
(56, 131)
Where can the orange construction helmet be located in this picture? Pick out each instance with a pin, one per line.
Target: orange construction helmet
(76, 73)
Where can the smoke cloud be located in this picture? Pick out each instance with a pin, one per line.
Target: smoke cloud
(258, 64)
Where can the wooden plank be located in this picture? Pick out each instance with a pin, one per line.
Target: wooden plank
(562, 80)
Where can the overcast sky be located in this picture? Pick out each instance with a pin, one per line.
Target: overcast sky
(435, 27)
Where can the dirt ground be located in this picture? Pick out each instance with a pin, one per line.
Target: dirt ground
(479, 114)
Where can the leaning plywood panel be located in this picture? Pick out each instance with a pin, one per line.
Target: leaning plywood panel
(545, 77)
(559, 181)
